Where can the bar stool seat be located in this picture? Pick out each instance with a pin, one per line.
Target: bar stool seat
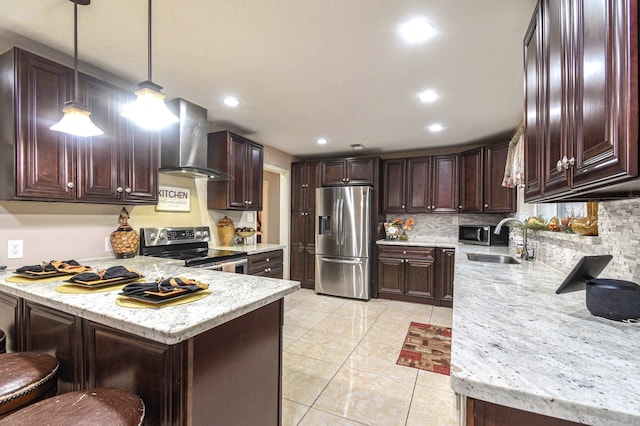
(90, 407)
(26, 377)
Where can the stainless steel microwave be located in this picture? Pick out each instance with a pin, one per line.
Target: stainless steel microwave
(483, 235)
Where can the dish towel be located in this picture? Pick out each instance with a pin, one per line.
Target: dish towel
(70, 266)
(165, 286)
(107, 274)
(514, 168)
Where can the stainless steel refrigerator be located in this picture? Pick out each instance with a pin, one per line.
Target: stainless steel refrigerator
(343, 241)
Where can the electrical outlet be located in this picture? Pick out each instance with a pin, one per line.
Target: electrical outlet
(107, 244)
(15, 249)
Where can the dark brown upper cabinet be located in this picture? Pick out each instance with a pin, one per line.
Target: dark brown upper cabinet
(242, 159)
(40, 164)
(481, 175)
(421, 184)
(305, 178)
(349, 171)
(581, 100)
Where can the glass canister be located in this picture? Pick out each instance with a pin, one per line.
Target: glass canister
(226, 231)
(124, 240)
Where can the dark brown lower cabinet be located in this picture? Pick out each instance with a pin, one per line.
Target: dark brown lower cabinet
(266, 264)
(416, 274)
(303, 266)
(481, 413)
(229, 375)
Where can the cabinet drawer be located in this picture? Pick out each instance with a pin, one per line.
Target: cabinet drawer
(260, 261)
(407, 252)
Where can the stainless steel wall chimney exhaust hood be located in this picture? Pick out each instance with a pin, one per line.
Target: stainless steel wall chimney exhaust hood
(183, 148)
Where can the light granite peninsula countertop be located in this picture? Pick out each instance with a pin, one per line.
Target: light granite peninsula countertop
(251, 248)
(232, 295)
(517, 343)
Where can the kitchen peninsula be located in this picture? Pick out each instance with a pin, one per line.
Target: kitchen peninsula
(217, 359)
(519, 347)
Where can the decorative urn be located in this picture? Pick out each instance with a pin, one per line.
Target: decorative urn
(124, 240)
(226, 231)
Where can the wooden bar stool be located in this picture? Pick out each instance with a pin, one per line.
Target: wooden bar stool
(91, 407)
(26, 377)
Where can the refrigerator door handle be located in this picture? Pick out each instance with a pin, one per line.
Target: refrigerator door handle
(340, 239)
(342, 261)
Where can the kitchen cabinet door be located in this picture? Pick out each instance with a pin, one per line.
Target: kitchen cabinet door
(393, 184)
(534, 107)
(444, 185)
(472, 181)
(419, 184)
(444, 284)
(305, 178)
(58, 334)
(497, 198)
(349, 171)
(139, 180)
(242, 159)
(420, 278)
(390, 275)
(10, 318)
(45, 163)
(606, 90)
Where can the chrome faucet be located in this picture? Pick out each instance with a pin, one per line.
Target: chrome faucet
(525, 249)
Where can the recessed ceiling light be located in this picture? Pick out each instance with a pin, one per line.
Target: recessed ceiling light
(436, 128)
(231, 101)
(428, 96)
(321, 141)
(416, 30)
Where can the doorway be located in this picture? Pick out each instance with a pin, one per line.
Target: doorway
(274, 217)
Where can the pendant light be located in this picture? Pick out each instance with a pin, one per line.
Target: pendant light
(75, 120)
(149, 110)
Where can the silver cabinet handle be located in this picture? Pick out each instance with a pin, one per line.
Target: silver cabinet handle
(460, 207)
(70, 185)
(402, 206)
(127, 190)
(348, 180)
(119, 189)
(486, 205)
(559, 165)
(267, 259)
(568, 163)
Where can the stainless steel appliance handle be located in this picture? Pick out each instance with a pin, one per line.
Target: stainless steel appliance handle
(218, 266)
(343, 261)
(340, 238)
(479, 236)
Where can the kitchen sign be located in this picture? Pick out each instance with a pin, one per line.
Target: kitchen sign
(171, 199)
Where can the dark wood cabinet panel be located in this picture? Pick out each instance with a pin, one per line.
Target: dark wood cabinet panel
(349, 171)
(497, 198)
(305, 178)
(53, 166)
(583, 78)
(302, 258)
(10, 321)
(472, 181)
(242, 159)
(416, 274)
(482, 413)
(534, 107)
(266, 264)
(58, 334)
(45, 164)
(421, 185)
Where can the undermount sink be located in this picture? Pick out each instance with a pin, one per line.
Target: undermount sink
(491, 258)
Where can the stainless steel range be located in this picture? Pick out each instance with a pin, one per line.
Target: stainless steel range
(190, 244)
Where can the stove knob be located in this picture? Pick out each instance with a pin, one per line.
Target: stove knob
(198, 234)
(152, 235)
(205, 234)
(163, 236)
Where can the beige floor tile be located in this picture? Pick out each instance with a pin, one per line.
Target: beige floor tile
(322, 303)
(304, 318)
(407, 311)
(442, 316)
(303, 378)
(392, 333)
(432, 407)
(380, 358)
(343, 325)
(320, 418)
(354, 308)
(291, 334)
(325, 346)
(292, 412)
(367, 398)
(434, 380)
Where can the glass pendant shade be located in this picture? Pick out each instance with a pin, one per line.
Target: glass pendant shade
(149, 110)
(76, 121)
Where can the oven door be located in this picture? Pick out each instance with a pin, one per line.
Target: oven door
(238, 266)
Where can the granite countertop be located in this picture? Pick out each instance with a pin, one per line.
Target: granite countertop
(251, 248)
(434, 242)
(232, 295)
(517, 343)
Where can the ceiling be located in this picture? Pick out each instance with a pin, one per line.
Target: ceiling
(305, 69)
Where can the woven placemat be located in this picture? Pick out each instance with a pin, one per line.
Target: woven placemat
(21, 280)
(127, 302)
